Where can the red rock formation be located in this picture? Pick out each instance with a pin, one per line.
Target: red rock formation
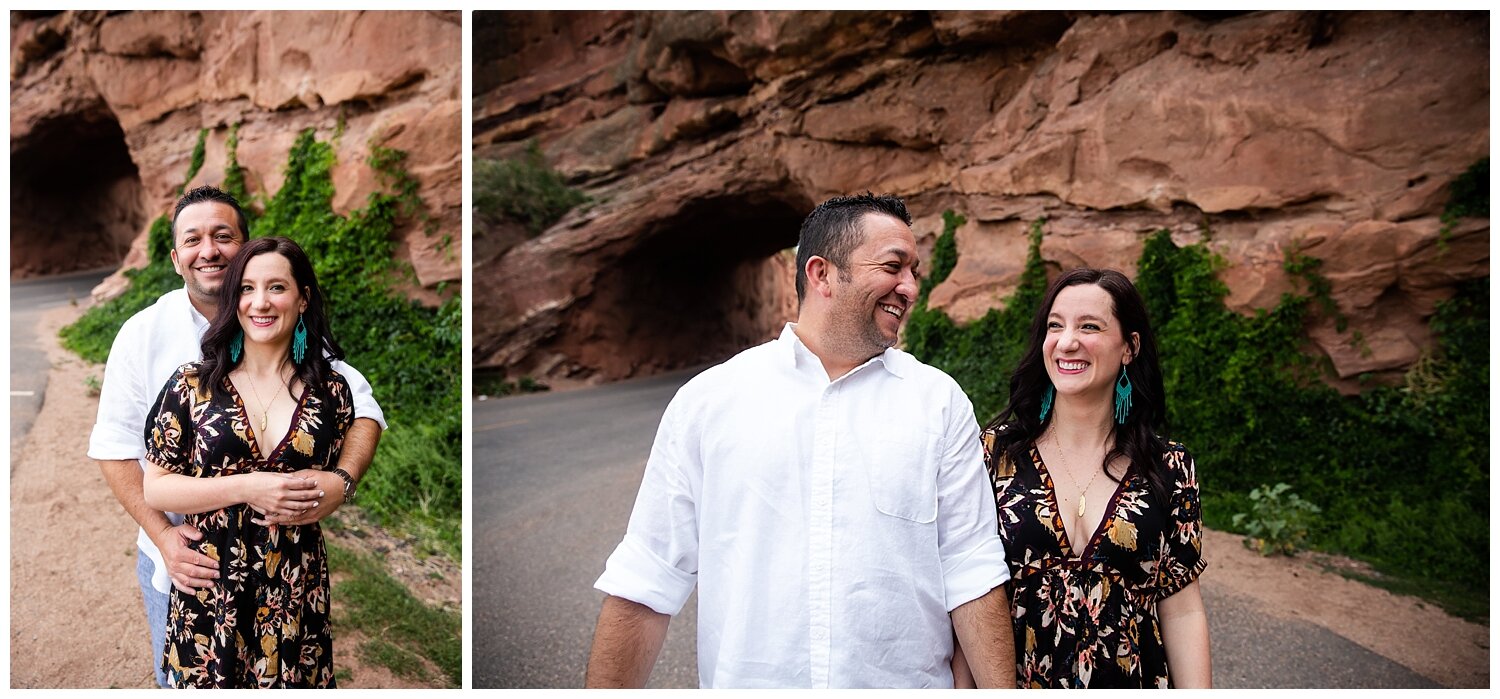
(106, 108)
(1336, 134)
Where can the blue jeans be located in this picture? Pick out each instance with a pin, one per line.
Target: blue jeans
(156, 613)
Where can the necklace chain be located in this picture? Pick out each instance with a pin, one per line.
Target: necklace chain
(265, 408)
(1067, 471)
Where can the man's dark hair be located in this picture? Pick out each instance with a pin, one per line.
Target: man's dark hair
(832, 231)
(208, 192)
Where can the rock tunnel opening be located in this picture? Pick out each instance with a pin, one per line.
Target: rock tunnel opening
(715, 279)
(75, 197)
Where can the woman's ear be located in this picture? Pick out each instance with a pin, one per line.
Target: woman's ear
(306, 292)
(1134, 347)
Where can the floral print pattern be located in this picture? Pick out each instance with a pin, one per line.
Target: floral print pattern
(1088, 618)
(264, 623)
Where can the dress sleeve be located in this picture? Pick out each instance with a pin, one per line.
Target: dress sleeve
(1182, 543)
(169, 426)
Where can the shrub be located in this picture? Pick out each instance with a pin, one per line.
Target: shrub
(1402, 473)
(1278, 520)
(524, 190)
(412, 355)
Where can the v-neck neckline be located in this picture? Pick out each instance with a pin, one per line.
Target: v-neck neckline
(1065, 541)
(239, 402)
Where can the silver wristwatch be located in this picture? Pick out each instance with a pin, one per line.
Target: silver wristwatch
(349, 486)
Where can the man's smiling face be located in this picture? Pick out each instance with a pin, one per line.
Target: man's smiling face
(205, 238)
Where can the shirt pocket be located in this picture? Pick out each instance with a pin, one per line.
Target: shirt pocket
(902, 474)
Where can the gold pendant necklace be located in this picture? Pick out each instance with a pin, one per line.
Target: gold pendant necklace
(1067, 471)
(265, 408)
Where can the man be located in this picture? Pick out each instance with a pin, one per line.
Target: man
(825, 493)
(208, 228)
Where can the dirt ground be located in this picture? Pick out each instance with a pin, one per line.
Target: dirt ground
(76, 615)
(1418, 635)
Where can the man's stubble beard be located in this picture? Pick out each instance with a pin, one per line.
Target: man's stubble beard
(854, 332)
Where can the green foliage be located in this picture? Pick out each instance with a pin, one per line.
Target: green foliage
(982, 354)
(234, 175)
(200, 149)
(91, 335)
(1468, 197)
(495, 384)
(1470, 193)
(93, 384)
(1278, 520)
(401, 627)
(411, 355)
(944, 255)
(1402, 473)
(524, 190)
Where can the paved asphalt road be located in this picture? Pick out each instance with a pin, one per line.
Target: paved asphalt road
(554, 479)
(28, 363)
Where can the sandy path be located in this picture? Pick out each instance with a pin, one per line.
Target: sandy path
(1443, 648)
(76, 615)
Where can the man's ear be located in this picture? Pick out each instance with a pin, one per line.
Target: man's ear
(819, 270)
(175, 267)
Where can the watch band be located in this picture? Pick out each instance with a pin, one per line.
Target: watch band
(350, 487)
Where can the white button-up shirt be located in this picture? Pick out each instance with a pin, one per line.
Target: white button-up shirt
(148, 349)
(830, 526)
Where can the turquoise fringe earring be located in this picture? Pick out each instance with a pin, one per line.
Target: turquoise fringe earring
(236, 346)
(299, 340)
(1122, 396)
(1047, 402)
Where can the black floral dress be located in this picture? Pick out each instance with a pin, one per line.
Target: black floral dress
(264, 622)
(1088, 618)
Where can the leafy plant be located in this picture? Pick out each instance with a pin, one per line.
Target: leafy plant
(523, 190)
(411, 354)
(1468, 197)
(93, 384)
(401, 627)
(1278, 520)
(1247, 397)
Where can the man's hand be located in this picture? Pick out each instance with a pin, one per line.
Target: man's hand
(328, 483)
(187, 568)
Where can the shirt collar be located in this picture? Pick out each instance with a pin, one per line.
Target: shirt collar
(199, 320)
(894, 361)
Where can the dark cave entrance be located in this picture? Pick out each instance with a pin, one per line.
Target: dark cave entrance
(75, 197)
(713, 280)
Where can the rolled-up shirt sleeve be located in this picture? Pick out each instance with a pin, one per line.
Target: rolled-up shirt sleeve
(657, 562)
(969, 545)
(364, 396)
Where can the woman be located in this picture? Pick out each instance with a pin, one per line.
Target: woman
(1099, 515)
(224, 437)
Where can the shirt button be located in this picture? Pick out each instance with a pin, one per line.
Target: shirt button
(819, 633)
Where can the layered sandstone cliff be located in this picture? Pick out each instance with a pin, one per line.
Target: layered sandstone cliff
(106, 109)
(704, 137)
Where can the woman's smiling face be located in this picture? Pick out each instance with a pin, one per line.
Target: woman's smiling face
(1085, 345)
(270, 301)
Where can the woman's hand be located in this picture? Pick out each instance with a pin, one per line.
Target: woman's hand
(279, 494)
